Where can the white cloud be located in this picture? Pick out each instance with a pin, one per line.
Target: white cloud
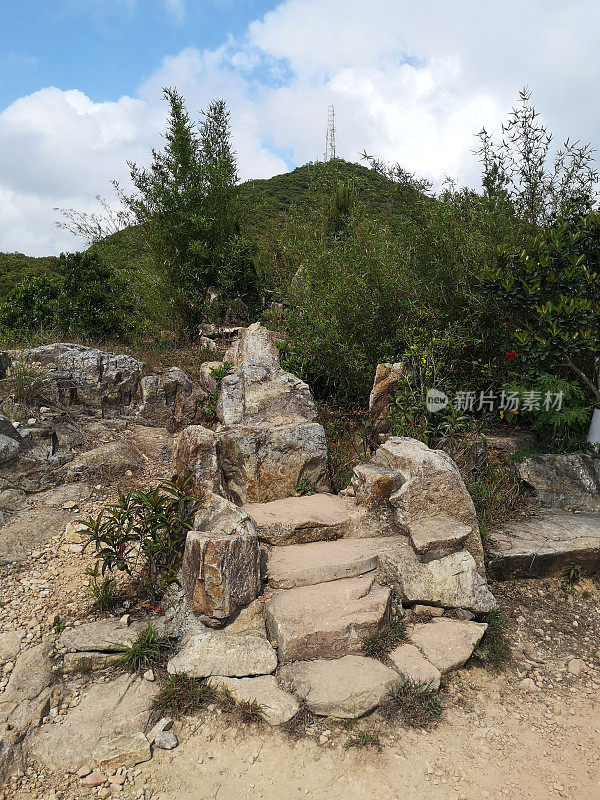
(410, 83)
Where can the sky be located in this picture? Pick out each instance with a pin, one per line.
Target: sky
(412, 82)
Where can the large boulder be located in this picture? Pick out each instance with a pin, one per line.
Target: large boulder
(79, 375)
(171, 398)
(195, 453)
(569, 481)
(430, 484)
(220, 573)
(270, 440)
(11, 442)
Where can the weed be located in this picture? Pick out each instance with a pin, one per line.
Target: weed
(27, 381)
(304, 719)
(571, 575)
(59, 626)
(381, 643)
(496, 495)
(416, 702)
(363, 739)
(494, 648)
(180, 695)
(102, 589)
(149, 650)
(304, 488)
(249, 712)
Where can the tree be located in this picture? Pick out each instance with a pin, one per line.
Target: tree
(520, 170)
(186, 202)
(551, 293)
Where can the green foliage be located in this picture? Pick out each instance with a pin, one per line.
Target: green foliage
(417, 704)
(381, 643)
(494, 648)
(181, 695)
(83, 298)
(218, 373)
(519, 175)
(143, 534)
(149, 650)
(496, 493)
(186, 202)
(571, 575)
(103, 589)
(305, 488)
(550, 291)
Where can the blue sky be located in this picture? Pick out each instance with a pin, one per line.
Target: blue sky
(107, 48)
(411, 82)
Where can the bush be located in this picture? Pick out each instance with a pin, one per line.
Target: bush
(143, 535)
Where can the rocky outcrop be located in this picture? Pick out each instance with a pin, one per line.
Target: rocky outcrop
(195, 453)
(221, 564)
(570, 480)
(387, 379)
(11, 442)
(170, 398)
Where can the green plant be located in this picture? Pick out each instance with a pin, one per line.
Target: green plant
(362, 739)
(494, 648)
(103, 589)
(305, 488)
(416, 702)
(496, 494)
(26, 381)
(381, 643)
(248, 711)
(143, 534)
(59, 626)
(181, 695)
(149, 650)
(571, 575)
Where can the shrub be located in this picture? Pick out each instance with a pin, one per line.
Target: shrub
(143, 534)
(31, 305)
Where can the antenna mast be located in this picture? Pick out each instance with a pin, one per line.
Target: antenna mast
(330, 136)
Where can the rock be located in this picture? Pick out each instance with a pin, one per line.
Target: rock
(207, 378)
(94, 779)
(499, 448)
(428, 611)
(431, 485)
(106, 635)
(568, 480)
(164, 724)
(310, 518)
(220, 573)
(446, 643)
(409, 662)
(451, 581)
(10, 644)
(149, 675)
(204, 343)
(11, 753)
(25, 699)
(270, 440)
(437, 536)
(320, 562)
(387, 379)
(171, 399)
(544, 545)
(166, 740)
(344, 688)
(528, 685)
(106, 462)
(105, 711)
(11, 442)
(224, 653)
(28, 530)
(268, 462)
(63, 495)
(75, 533)
(125, 750)
(195, 453)
(84, 663)
(87, 376)
(277, 707)
(576, 666)
(327, 620)
(374, 484)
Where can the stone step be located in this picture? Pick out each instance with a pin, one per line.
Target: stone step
(321, 562)
(438, 535)
(544, 545)
(327, 620)
(310, 518)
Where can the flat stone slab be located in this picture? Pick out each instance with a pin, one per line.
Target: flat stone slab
(320, 562)
(345, 687)
(446, 643)
(297, 520)
(105, 635)
(125, 750)
(277, 706)
(544, 545)
(223, 653)
(409, 662)
(438, 535)
(327, 620)
(29, 530)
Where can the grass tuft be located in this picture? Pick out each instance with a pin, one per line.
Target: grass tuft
(381, 643)
(494, 648)
(417, 703)
(362, 739)
(181, 695)
(150, 649)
